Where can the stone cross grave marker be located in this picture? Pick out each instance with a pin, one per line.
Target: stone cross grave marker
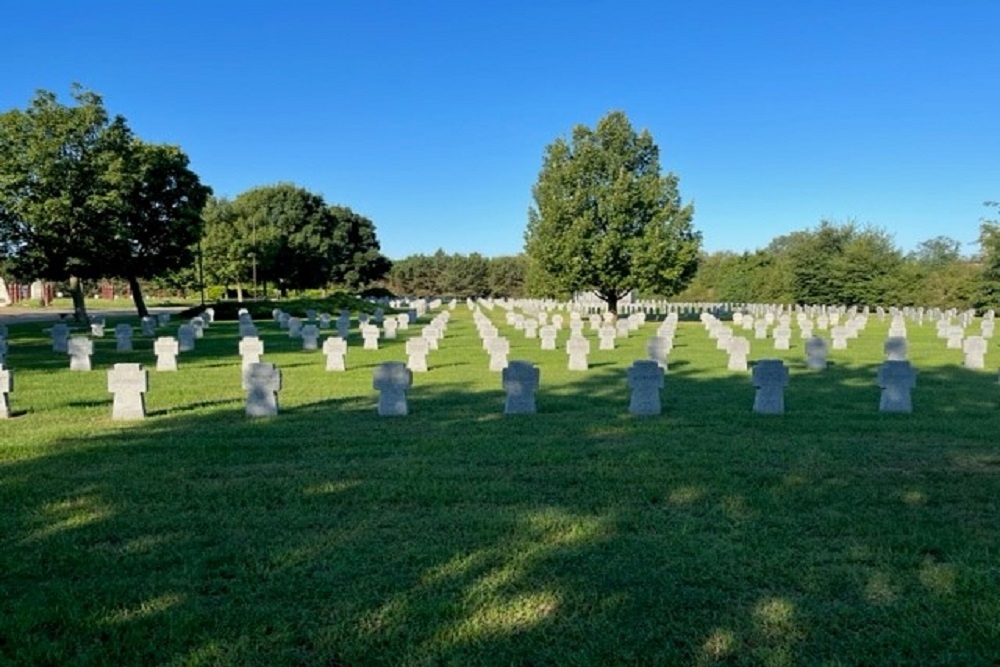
(974, 349)
(622, 328)
(606, 336)
(97, 328)
(392, 379)
(79, 349)
(416, 354)
(166, 349)
(894, 348)
(370, 334)
(251, 350)
(897, 328)
(60, 337)
(770, 377)
(310, 337)
(344, 326)
(739, 350)
(247, 327)
(6, 387)
(262, 382)
(185, 337)
(294, 327)
(658, 349)
(986, 328)
(896, 379)
(839, 335)
(430, 334)
(499, 347)
(520, 382)
(198, 324)
(645, 379)
(123, 337)
(723, 336)
(547, 334)
(530, 328)
(955, 334)
(128, 383)
(782, 337)
(578, 349)
(389, 328)
(335, 350)
(148, 324)
(816, 353)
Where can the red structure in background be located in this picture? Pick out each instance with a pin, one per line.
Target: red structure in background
(18, 292)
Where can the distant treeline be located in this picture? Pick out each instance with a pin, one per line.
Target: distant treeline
(458, 275)
(831, 263)
(848, 264)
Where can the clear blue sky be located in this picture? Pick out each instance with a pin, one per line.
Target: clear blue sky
(431, 118)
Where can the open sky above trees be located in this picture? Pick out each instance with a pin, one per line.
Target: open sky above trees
(431, 120)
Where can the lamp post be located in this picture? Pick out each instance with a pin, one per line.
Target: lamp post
(253, 254)
(201, 274)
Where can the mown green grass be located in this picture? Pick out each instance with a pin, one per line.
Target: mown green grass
(457, 536)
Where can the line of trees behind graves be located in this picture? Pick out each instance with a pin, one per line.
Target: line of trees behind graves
(284, 237)
(458, 275)
(82, 198)
(848, 263)
(832, 263)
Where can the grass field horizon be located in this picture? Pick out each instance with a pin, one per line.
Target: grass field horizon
(581, 535)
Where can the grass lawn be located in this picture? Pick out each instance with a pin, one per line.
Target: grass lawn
(831, 535)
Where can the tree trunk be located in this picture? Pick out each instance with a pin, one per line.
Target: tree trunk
(611, 298)
(140, 304)
(79, 304)
(239, 292)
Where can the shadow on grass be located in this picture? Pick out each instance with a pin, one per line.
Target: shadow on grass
(456, 535)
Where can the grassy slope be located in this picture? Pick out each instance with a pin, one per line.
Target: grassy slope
(580, 535)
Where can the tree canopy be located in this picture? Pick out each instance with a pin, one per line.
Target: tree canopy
(82, 197)
(458, 275)
(291, 238)
(844, 263)
(606, 219)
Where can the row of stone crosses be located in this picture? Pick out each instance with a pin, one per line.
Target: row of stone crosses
(129, 382)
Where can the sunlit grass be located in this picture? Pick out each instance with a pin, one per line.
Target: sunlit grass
(580, 535)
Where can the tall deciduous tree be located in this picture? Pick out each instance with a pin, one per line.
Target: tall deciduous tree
(227, 246)
(81, 197)
(989, 244)
(60, 177)
(357, 260)
(158, 221)
(606, 219)
(292, 238)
